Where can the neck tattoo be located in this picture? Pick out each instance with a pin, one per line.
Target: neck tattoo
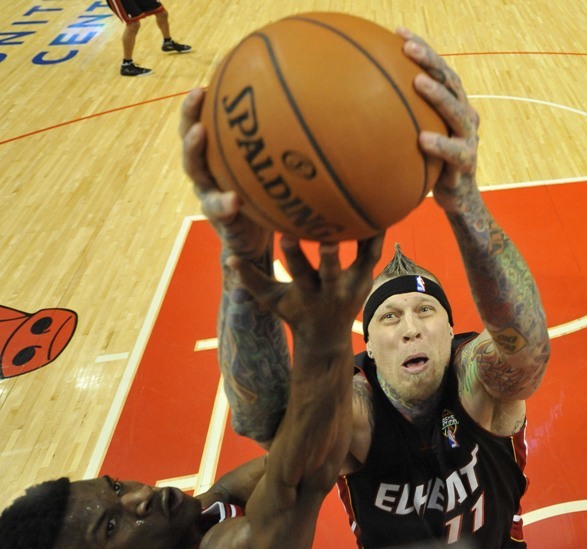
(420, 412)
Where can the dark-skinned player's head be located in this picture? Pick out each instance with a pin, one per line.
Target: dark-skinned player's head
(101, 512)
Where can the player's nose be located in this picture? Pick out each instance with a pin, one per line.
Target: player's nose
(139, 501)
(411, 327)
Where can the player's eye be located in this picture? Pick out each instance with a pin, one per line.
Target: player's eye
(117, 487)
(111, 527)
(391, 318)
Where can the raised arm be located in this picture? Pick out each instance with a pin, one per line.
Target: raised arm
(237, 485)
(253, 353)
(509, 358)
(253, 357)
(320, 306)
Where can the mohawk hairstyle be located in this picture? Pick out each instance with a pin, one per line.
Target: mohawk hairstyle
(401, 265)
(35, 519)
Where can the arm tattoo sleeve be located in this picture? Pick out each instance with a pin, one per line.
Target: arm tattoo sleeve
(254, 360)
(508, 302)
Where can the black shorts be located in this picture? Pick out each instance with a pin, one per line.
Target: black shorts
(132, 10)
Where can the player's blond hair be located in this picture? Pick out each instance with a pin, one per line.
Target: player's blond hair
(401, 265)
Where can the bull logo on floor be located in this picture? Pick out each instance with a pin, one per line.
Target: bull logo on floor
(30, 341)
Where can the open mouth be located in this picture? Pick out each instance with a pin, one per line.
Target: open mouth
(415, 364)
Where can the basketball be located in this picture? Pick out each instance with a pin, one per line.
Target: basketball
(313, 120)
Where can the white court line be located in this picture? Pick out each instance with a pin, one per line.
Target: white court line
(282, 275)
(568, 327)
(135, 357)
(555, 511)
(206, 344)
(183, 483)
(213, 444)
(554, 332)
(526, 184)
(280, 271)
(203, 480)
(528, 100)
(484, 188)
(490, 187)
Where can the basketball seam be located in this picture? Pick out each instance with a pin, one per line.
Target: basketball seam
(272, 222)
(386, 75)
(358, 210)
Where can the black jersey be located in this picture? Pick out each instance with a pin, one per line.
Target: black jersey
(458, 484)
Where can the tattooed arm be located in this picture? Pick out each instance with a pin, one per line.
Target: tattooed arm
(508, 360)
(253, 356)
(253, 352)
(505, 364)
(313, 438)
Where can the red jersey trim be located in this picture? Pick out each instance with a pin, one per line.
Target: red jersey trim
(345, 496)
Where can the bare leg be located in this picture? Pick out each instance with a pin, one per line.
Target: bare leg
(129, 37)
(169, 45)
(163, 23)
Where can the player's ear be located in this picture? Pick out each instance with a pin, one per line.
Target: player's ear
(452, 334)
(369, 351)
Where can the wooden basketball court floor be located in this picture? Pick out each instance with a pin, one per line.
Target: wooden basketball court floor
(100, 230)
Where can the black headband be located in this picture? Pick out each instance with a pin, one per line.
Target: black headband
(403, 285)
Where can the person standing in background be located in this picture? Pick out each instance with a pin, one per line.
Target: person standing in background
(130, 12)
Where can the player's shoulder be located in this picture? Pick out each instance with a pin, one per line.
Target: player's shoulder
(363, 424)
(464, 339)
(362, 390)
(464, 351)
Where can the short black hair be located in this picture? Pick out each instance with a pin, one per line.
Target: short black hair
(35, 519)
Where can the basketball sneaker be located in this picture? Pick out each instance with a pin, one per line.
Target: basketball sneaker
(130, 69)
(172, 45)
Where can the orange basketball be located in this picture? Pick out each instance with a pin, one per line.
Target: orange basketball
(314, 120)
